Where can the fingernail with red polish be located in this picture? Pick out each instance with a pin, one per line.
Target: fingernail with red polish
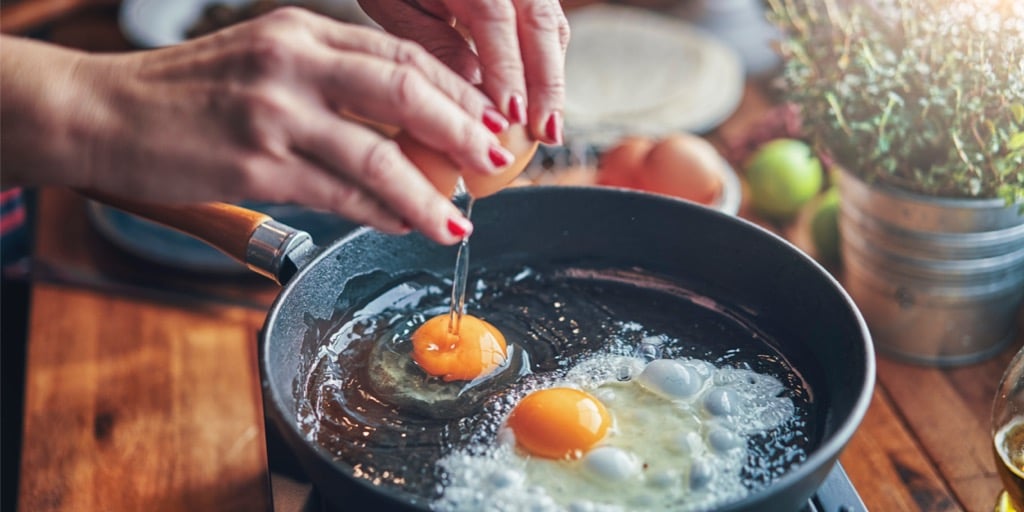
(460, 226)
(516, 109)
(499, 156)
(553, 128)
(494, 121)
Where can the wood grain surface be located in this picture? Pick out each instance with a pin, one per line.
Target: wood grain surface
(135, 405)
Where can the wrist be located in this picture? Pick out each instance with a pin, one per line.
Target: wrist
(52, 121)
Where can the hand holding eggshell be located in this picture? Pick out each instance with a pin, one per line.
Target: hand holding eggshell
(443, 173)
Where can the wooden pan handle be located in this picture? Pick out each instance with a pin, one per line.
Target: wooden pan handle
(224, 226)
(26, 15)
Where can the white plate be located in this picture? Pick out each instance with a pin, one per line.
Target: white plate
(633, 71)
(156, 23)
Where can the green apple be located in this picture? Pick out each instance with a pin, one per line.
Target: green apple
(825, 226)
(783, 174)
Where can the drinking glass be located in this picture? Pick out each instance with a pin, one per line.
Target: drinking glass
(1008, 435)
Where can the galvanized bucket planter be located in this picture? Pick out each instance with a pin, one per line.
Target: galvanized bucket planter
(939, 281)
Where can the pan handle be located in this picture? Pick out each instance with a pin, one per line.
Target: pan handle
(266, 246)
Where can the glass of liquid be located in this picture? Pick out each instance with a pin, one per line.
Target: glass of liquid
(1008, 436)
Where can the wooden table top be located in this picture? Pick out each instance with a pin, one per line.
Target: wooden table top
(142, 387)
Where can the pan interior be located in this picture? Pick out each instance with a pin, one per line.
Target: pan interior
(751, 280)
(553, 317)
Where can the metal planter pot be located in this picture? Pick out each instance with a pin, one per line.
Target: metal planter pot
(939, 281)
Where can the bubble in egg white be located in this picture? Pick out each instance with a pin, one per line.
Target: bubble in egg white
(608, 463)
(587, 506)
(652, 340)
(650, 348)
(504, 478)
(591, 373)
(581, 506)
(722, 440)
(664, 479)
(687, 443)
(721, 401)
(671, 379)
(701, 473)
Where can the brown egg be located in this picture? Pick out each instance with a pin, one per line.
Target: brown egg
(575, 176)
(444, 173)
(684, 166)
(620, 164)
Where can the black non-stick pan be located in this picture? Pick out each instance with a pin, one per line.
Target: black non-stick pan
(811, 321)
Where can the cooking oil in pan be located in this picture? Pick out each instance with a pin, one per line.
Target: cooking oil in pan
(368, 404)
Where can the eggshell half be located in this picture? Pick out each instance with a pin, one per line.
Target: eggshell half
(444, 173)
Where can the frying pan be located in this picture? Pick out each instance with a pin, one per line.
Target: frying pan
(811, 320)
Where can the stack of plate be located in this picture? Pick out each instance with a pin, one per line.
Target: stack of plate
(630, 71)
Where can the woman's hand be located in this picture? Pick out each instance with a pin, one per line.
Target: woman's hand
(519, 52)
(251, 112)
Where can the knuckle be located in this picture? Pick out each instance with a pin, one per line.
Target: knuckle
(266, 102)
(564, 32)
(269, 53)
(276, 42)
(495, 12)
(251, 171)
(262, 110)
(407, 86)
(551, 87)
(346, 197)
(506, 67)
(471, 135)
(381, 162)
(409, 53)
(548, 16)
(288, 15)
(542, 15)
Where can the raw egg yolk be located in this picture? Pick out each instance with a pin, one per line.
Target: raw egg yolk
(559, 423)
(474, 351)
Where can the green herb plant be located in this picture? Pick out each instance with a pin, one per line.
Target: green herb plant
(922, 95)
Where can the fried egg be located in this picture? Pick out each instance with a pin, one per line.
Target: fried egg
(618, 433)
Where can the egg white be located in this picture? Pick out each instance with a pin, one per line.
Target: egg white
(678, 441)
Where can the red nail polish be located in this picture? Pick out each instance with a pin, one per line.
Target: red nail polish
(499, 156)
(553, 128)
(459, 227)
(494, 121)
(516, 109)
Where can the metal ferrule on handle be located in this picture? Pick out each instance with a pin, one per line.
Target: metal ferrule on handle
(264, 245)
(272, 250)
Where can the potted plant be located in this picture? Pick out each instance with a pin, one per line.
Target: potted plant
(920, 105)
